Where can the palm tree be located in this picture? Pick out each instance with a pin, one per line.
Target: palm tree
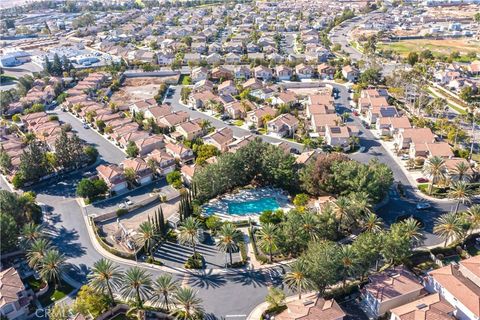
(473, 217)
(411, 228)
(435, 168)
(188, 232)
(205, 125)
(105, 276)
(373, 223)
(342, 211)
(310, 225)
(136, 284)
(348, 259)
(460, 192)
(164, 288)
(267, 239)
(230, 237)
(296, 279)
(147, 236)
(188, 305)
(31, 232)
(462, 169)
(448, 226)
(37, 251)
(51, 266)
(354, 141)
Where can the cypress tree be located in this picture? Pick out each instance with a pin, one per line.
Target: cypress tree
(161, 218)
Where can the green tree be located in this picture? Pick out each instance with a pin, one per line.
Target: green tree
(5, 162)
(105, 278)
(31, 232)
(136, 285)
(59, 311)
(473, 217)
(448, 226)
(188, 305)
(460, 192)
(435, 168)
(8, 232)
(56, 66)
(89, 302)
(267, 239)
(296, 279)
(412, 58)
(229, 239)
(132, 149)
(372, 223)
(51, 266)
(188, 233)
(275, 297)
(147, 236)
(164, 289)
(86, 189)
(36, 252)
(174, 179)
(33, 162)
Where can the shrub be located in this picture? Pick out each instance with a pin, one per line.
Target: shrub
(16, 118)
(174, 179)
(194, 262)
(121, 212)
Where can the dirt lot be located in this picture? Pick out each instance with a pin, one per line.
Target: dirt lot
(134, 89)
(445, 46)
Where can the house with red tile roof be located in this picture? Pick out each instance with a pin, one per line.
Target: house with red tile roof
(284, 125)
(180, 152)
(113, 177)
(312, 307)
(220, 138)
(14, 298)
(143, 174)
(427, 150)
(165, 163)
(459, 285)
(190, 129)
(406, 136)
(257, 116)
(429, 307)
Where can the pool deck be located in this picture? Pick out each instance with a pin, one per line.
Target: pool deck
(219, 206)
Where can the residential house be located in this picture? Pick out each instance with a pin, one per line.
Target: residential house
(149, 143)
(459, 285)
(284, 125)
(304, 71)
(390, 289)
(142, 105)
(113, 177)
(220, 138)
(173, 119)
(389, 126)
(427, 150)
(339, 136)
(239, 109)
(203, 85)
(180, 152)
(188, 171)
(200, 100)
(14, 298)
(190, 129)
(285, 97)
(429, 307)
(252, 84)
(227, 88)
(257, 116)
(311, 307)
(283, 73)
(350, 73)
(242, 72)
(306, 157)
(157, 112)
(232, 58)
(405, 137)
(143, 174)
(213, 58)
(262, 73)
(319, 122)
(198, 74)
(381, 112)
(240, 142)
(165, 163)
(326, 71)
(221, 73)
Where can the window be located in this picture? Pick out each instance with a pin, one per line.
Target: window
(8, 308)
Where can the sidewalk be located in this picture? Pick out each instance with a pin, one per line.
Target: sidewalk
(257, 312)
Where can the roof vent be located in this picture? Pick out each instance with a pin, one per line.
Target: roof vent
(307, 302)
(421, 306)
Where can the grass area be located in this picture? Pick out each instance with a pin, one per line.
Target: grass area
(438, 47)
(459, 110)
(356, 46)
(5, 78)
(53, 295)
(262, 131)
(476, 157)
(35, 284)
(238, 123)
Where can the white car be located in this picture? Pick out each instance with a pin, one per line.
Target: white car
(405, 157)
(129, 202)
(122, 205)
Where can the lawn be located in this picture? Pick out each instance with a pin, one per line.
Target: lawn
(438, 47)
(238, 123)
(34, 284)
(53, 295)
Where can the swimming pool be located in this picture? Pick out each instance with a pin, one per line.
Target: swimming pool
(247, 203)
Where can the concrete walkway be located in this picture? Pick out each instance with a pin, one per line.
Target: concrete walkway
(257, 312)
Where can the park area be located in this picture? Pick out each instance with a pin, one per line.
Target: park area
(437, 47)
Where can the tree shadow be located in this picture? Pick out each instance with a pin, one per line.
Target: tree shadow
(250, 278)
(205, 279)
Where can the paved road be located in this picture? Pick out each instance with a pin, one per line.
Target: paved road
(217, 123)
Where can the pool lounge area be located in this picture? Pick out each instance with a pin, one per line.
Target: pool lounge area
(247, 203)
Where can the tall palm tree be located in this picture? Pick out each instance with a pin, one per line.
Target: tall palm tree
(373, 223)
(188, 305)
(448, 226)
(296, 279)
(310, 225)
(462, 169)
(51, 266)
(37, 251)
(412, 229)
(230, 237)
(147, 235)
(348, 259)
(188, 232)
(164, 287)
(136, 284)
(105, 276)
(460, 191)
(473, 217)
(354, 141)
(342, 211)
(267, 239)
(30, 233)
(435, 168)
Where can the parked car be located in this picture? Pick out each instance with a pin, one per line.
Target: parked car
(122, 205)
(422, 180)
(355, 113)
(362, 149)
(423, 205)
(85, 126)
(129, 202)
(405, 157)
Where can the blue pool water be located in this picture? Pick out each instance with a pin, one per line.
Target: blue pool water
(252, 206)
(242, 208)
